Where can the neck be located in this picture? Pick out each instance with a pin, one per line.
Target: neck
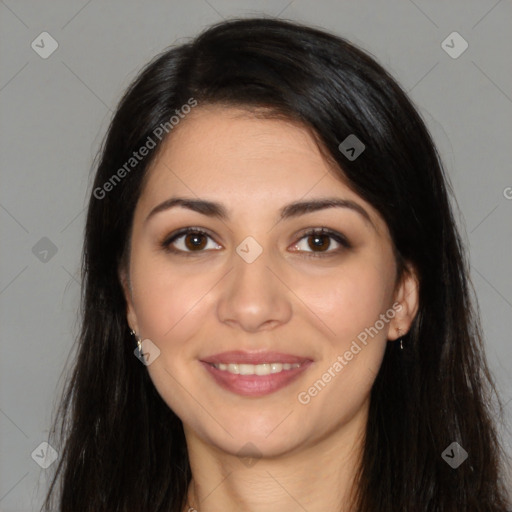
(315, 478)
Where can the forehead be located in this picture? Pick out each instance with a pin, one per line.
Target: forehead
(237, 143)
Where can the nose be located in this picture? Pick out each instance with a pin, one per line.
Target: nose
(254, 296)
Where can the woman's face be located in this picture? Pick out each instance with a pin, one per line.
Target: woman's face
(257, 282)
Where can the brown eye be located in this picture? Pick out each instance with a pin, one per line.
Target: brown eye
(187, 241)
(319, 243)
(195, 241)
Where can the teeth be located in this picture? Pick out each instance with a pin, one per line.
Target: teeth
(255, 369)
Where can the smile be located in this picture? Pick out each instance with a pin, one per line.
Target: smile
(254, 380)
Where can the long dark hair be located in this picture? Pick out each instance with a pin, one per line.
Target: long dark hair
(122, 448)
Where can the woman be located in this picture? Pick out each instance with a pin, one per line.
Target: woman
(270, 234)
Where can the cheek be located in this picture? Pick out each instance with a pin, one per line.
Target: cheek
(168, 302)
(351, 298)
(169, 313)
(350, 303)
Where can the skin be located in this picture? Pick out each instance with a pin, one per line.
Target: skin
(303, 455)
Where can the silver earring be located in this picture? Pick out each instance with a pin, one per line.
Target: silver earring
(401, 339)
(139, 341)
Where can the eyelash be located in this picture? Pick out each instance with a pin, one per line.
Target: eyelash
(338, 237)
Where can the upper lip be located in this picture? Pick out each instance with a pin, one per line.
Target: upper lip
(241, 357)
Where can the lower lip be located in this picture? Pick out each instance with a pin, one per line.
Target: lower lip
(255, 385)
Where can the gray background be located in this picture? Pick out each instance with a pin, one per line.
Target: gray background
(54, 113)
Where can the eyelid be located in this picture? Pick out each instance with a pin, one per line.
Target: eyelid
(338, 237)
(324, 231)
(168, 240)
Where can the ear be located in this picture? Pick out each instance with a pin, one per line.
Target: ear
(131, 317)
(407, 295)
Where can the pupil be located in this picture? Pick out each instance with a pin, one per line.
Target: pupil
(317, 241)
(196, 243)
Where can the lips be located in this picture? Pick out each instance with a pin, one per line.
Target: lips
(245, 381)
(242, 357)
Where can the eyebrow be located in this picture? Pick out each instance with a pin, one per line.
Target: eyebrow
(292, 210)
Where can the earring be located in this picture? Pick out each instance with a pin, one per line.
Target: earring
(401, 338)
(139, 341)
